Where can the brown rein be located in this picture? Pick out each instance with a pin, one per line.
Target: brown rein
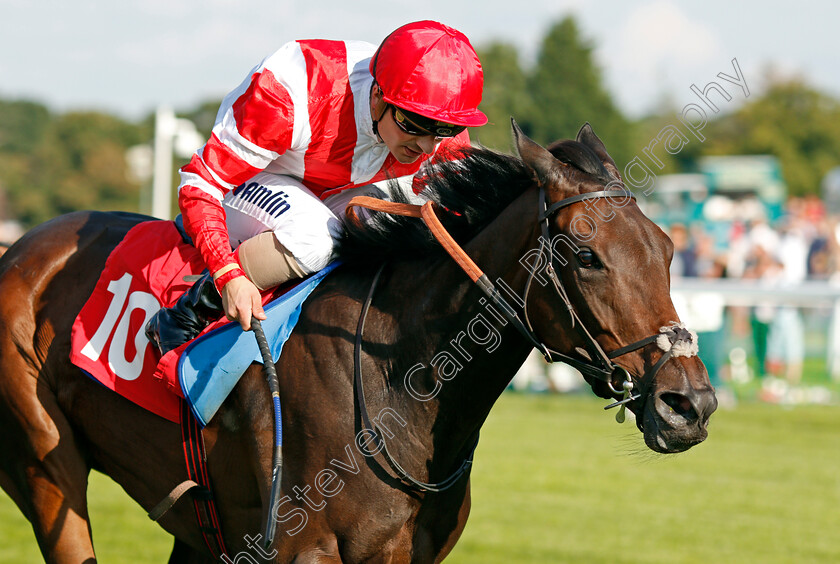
(427, 213)
(599, 364)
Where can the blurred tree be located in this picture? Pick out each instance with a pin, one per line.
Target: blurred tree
(567, 90)
(646, 133)
(51, 165)
(203, 116)
(23, 126)
(792, 121)
(505, 96)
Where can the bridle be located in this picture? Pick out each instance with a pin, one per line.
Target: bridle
(596, 363)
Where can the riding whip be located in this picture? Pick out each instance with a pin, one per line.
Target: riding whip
(274, 388)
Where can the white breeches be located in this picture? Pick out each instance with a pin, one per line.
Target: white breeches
(308, 227)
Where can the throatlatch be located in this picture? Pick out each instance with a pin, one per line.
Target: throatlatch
(674, 339)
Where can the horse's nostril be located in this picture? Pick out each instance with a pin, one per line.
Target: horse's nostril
(679, 404)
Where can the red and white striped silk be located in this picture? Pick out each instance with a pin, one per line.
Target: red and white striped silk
(303, 112)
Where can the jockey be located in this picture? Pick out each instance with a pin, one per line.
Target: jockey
(313, 125)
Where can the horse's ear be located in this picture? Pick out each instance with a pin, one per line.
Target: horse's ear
(536, 156)
(587, 136)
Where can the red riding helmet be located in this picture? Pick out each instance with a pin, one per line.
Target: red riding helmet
(431, 69)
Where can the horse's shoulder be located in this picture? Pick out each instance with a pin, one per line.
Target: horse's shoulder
(83, 238)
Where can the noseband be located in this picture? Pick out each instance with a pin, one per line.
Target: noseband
(673, 340)
(597, 363)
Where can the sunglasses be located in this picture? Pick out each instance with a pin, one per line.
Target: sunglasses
(415, 124)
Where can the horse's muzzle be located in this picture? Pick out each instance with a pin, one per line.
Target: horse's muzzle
(674, 421)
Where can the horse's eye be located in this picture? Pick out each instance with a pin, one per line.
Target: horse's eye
(587, 259)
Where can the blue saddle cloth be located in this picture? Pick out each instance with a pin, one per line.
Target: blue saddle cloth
(211, 365)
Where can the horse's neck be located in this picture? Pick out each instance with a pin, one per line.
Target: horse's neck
(457, 354)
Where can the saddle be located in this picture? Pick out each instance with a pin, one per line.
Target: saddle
(150, 269)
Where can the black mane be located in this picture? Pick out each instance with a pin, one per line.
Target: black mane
(474, 189)
(471, 191)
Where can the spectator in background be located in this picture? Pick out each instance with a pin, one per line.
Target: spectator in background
(684, 262)
(762, 265)
(710, 323)
(738, 249)
(707, 260)
(822, 251)
(786, 342)
(804, 245)
(702, 311)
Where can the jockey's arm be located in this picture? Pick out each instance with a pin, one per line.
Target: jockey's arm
(253, 128)
(204, 221)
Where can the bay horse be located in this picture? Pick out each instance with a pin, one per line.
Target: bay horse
(435, 355)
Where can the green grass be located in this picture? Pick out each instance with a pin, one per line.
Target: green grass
(557, 480)
(121, 530)
(814, 375)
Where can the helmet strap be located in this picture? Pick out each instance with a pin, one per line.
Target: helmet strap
(375, 122)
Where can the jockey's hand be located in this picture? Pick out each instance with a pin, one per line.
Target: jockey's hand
(241, 299)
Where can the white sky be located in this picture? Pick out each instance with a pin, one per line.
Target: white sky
(127, 57)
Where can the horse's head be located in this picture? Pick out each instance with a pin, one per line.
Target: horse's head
(601, 296)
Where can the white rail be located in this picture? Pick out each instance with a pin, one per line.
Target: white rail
(812, 294)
